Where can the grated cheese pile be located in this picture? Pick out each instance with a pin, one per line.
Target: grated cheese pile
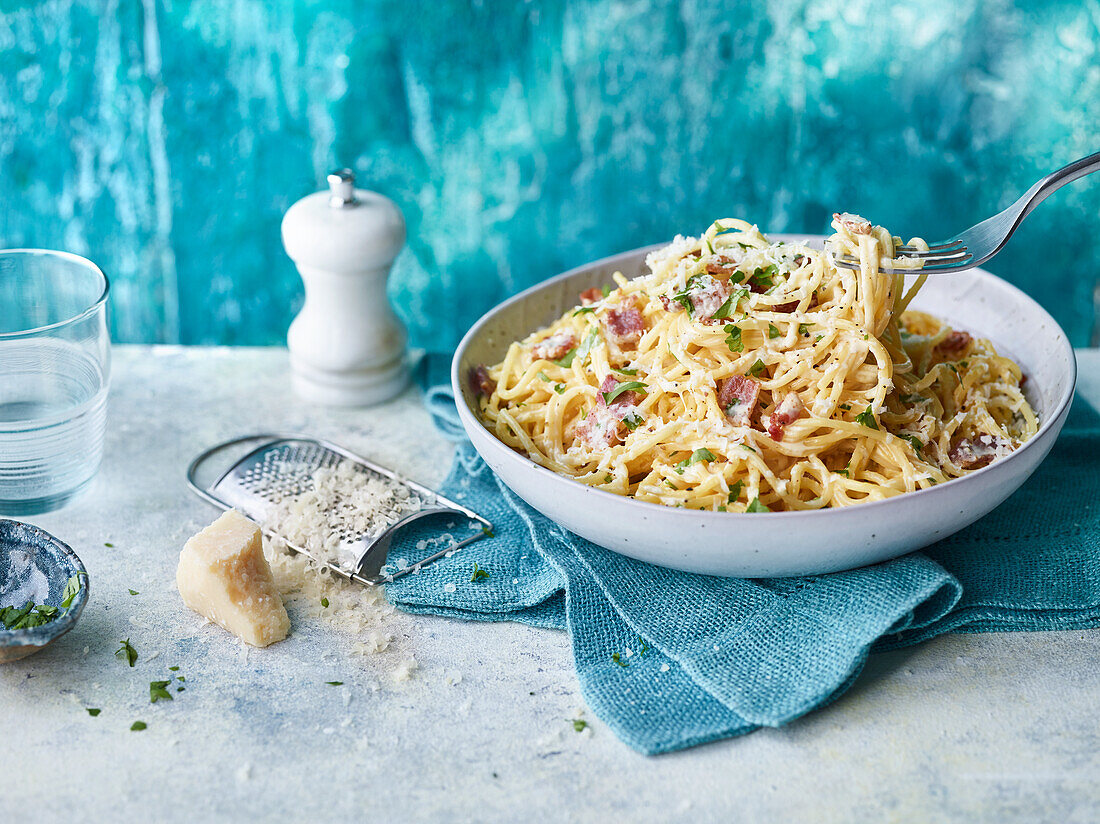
(341, 504)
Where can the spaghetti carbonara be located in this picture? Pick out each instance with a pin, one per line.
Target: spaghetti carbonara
(744, 375)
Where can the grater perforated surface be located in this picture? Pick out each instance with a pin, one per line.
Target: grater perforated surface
(284, 467)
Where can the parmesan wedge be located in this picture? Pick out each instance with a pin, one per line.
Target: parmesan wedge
(224, 576)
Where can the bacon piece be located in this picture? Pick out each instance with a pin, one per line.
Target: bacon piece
(737, 395)
(974, 453)
(724, 266)
(1023, 380)
(853, 223)
(480, 381)
(604, 424)
(786, 307)
(625, 324)
(789, 410)
(954, 344)
(554, 346)
(590, 296)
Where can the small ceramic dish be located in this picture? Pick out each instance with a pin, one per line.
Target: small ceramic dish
(35, 566)
(780, 543)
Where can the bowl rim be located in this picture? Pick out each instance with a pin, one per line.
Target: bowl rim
(43, 634)
(468, 418)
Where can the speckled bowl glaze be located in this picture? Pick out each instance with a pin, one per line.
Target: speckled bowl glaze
(781, 543)
(35, 566)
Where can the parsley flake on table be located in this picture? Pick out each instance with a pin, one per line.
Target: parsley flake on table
(134, 592)
(93, 711)
(335, 683)
(138, 726)
(108, 544)
(618, 660)
(579, 725)
(174, 669)
(158, 690)
(478, 574)
(324, 603)
(126, 652)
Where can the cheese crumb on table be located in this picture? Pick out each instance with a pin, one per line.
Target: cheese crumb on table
(224, 576)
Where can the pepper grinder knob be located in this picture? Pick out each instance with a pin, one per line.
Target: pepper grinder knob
(347, 347)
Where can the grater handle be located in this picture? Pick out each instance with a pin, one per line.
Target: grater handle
(200, 460)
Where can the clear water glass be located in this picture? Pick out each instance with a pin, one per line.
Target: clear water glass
(54, 372)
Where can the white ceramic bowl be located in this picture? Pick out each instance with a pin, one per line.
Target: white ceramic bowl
(780, 543)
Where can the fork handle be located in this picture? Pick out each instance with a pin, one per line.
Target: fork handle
(1056, 180)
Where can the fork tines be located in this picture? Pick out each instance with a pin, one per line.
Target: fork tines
(943, 257)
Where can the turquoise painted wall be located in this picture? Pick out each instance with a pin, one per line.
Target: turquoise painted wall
(165, 140)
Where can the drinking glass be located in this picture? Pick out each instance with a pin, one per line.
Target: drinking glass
(54, 372)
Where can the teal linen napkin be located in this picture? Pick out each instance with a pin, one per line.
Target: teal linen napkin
(670, 660)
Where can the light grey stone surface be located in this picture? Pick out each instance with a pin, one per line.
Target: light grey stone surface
(968, 727)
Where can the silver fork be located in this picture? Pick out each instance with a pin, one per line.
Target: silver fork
(979, 243)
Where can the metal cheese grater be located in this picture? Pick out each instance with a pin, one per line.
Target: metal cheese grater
(282, 466)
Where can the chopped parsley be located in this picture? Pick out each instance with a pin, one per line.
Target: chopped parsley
(644, 647)
(867, 418)
(544, 377)
(134, 592)
(735, 492)
(93, 711)
(671, 485)
(847, 407)
(72, 587)
(566, 360)
(126, 652)
(588, 344)
(756, 506)
(478, 574)
(804, 329)
(607, 478)
(618, 660)
(773, 331)
(757, 369)
(488, 533)
(746, 446)
(621, 371)
(915, 442)
(177, 669)
(698, 455)
(108, 544)
(138, 726)
(324, 603)
(559, 388)
(818, 338)
(158, 691)
(844, 471)
(633, 421)
(606, 289)
(583, 309)
(620, 388)
(915, 398)
(765, 277)
(27, 616)
(335, 683)
(579, 725)
(733, 338)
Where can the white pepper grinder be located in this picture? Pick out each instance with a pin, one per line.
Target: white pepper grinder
(347, 347)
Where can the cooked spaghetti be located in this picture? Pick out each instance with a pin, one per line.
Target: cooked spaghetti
(744, 375)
